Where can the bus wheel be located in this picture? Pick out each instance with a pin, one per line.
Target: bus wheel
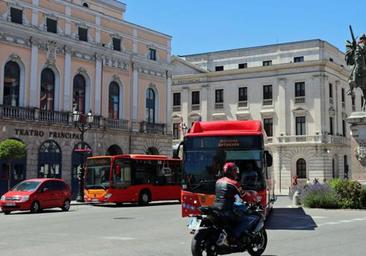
(119, 204)
(144, 197)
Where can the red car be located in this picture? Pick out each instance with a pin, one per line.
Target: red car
(35, 195)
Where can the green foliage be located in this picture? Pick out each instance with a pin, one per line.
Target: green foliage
(363, 198)
(321, 199)
(348, 192)
(11, 149)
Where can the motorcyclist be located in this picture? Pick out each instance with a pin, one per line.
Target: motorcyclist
(227, 190)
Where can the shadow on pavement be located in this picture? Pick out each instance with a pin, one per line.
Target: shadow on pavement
(290, 219)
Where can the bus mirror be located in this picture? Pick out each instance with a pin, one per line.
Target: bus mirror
(118, 170)
(269, 159)
(177, 150)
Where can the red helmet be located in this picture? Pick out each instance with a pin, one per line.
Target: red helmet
(231, 170)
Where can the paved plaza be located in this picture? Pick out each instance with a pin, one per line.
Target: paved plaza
(159, 230)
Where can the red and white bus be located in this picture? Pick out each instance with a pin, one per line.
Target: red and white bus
(208, 146)
(132, 178)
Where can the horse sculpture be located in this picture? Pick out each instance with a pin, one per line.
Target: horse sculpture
(356, 57)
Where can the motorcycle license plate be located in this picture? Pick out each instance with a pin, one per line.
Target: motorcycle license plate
(193, 223)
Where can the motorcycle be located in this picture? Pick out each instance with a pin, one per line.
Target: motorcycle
(213, 236)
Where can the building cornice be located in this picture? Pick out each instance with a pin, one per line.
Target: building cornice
(279, 70)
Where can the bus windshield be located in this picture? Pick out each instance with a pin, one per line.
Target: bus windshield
(98, 173)
(204, 158)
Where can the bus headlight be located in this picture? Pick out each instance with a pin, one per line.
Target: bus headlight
(107, 196)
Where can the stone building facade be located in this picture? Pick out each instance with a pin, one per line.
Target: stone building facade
(61, 56)
(298, 90)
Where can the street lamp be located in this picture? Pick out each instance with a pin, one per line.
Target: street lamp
(83, 122)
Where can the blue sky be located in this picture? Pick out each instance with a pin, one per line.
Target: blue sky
(210, 25)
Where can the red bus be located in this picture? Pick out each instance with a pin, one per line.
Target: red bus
(132, 178)
(208, 146)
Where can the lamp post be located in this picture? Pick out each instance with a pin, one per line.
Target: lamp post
(83, 122)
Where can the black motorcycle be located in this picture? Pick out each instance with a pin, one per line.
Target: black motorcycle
(213, 234)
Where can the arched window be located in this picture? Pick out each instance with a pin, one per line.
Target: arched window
(114, 101)
(301, 168)
(47, 101)
(114, 150)
(49, 160)
(152, 151)
(78, 100)
(11, 84)
(150, 106)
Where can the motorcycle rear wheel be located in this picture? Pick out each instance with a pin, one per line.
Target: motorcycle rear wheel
(202, 244)
(259, 243)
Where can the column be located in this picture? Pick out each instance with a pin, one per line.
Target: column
(98, 84)
(35, 13)
(338, 114)
(185, 105)
(134, 96)
(67, 80)
(168, 102)
(281, 109)
(97, 33)
(204, 102)
(67, 21)
(34, 84)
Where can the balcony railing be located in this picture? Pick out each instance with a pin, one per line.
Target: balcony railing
(146, 127)
(267, 102)
(326, 139)
(176, 108)
(53, 117)
(195, 107)
(18, 113)
(300, 99)
(117, 123)
(219, 105)
(242, 104)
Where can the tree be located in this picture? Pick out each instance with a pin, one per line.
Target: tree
(11, 150)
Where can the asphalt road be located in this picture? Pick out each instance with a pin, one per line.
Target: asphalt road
(158, 230)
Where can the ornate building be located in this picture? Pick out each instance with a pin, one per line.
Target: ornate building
(61, 56)
(298, 90)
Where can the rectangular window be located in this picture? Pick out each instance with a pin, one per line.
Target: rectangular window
(195, 98)
(219, 96)
(267, 63)
(330, 90)
(176, 99)
(243, 65)
(343, 95)
(300, 125)
(152, 54)
(51, 25)
(299, 59)
(331, 131)
(300, 89)
(268, 126)
(344, 129)
(175, 131)
(219, 68)
(243, 94)
(117, 44)
(83, 34)
(16, 15)
(267, 92)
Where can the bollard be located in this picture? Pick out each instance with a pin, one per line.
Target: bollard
(296, 198)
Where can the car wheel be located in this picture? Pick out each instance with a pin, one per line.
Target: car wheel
(6, 212)
(35, 207)
(119, 204)
(66, 206)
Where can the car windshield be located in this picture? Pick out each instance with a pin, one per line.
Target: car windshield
(26, 186)
(98, 173)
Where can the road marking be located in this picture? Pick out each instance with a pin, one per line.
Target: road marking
(120, 238)
(342, 221)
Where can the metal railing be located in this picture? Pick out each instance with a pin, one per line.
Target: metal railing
(267, 102)
(176, 108)
(242, 104)
(17, 113)
(219, 105)
(117, 124)
(146, 127)
(53, 117)
(195, 107)
(300, 99)
(326, 139)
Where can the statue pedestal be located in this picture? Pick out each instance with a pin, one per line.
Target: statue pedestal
(358, 146)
